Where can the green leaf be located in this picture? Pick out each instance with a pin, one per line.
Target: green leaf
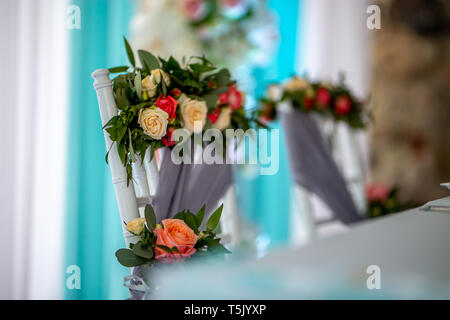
(120, 133)
(180, 216)
(138, 84)
(129, 52)
(128, 259)
(219, 248)
(201, 68)
(150, 217)
(122, 151)
(200, 215)
(163, 86)
(211, 100)
(165, 248)
(213, 221)
(118, 69)
(191, 221)
(223, 77)
(120, 94)
(140, 250)
(148, 61)
(133, 158)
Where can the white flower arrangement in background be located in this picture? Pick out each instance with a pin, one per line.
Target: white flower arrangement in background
(231, 33)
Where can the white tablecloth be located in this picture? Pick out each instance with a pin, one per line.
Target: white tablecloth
(411, 249)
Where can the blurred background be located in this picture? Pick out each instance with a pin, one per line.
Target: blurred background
(57, 203)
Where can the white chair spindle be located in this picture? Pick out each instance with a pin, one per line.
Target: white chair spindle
(151, 168)
(125, 195)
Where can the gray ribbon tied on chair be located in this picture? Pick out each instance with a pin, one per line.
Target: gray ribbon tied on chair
(189, 187)
(313, 166)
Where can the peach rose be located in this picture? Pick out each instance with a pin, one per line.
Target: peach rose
(296, 84)
(176, 233)
(136, 226)
(153, 122)
(224, 119)
(193, 111)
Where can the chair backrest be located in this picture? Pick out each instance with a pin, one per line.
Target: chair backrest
(145, 175)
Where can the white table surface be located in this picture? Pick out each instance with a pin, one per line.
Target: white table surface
(412, 250)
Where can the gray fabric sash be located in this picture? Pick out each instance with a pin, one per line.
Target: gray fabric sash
(189, 186)
(313, 166)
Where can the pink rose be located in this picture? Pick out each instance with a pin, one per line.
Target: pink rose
(175, 233)
(167, 104)
(194, 10)
(232, 97)
(377, 192)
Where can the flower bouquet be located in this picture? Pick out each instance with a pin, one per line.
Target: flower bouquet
(174, 240)
(335, 101)
(382, 200)
(162, 96)
(232, 31)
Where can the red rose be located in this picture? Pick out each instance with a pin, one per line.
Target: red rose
(175, 92)
(167, 139)
(342, 105)
(309, 102)
(232, 97)
(213, 116)
(323, 97)
(167, 104)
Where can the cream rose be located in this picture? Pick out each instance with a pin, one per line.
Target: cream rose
(149, 86)
(297, 84)
(136, 226)
(193, 111)
(156, 75)
(224, 119)
(154, 122)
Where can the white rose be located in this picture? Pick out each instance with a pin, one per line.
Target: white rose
(149, 86)
(156, 75)
(154, 122)
(224, 119)
(193, 111)
(275, 92)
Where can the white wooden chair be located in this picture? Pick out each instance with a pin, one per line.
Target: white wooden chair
(145, 175)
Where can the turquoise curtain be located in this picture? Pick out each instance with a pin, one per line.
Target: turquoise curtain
(93, 226)
(265, 200)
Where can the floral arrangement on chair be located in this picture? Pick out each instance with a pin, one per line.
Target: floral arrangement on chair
(174, 240)
(382, 200)
(335, 101)
(163, 95)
